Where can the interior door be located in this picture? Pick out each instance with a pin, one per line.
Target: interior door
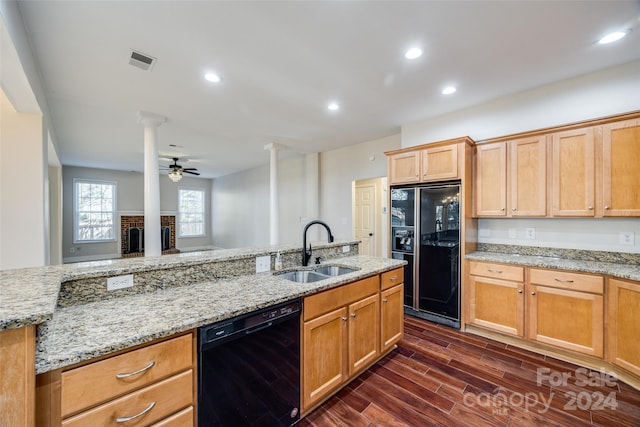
(365, 218)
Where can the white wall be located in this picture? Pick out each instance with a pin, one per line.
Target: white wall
(130, 201)
(23, 240)
(339, 168)
(609, 92)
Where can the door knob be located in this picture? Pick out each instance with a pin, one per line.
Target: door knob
(370, 234)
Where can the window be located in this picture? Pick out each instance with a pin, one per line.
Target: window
(190, 212)
(94, 208)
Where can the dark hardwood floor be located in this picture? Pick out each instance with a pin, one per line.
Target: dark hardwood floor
(441, 377)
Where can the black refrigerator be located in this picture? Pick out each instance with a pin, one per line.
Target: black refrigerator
(425, 231)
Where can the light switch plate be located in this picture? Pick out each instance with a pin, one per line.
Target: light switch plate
(263, 263)
(119, 282)
(627, 238)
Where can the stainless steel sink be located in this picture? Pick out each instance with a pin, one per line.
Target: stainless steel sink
(304, 276)
(334, 270)
(319, 273)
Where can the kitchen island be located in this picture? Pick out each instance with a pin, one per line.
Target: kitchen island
(76, 320)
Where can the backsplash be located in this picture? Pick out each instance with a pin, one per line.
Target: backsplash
(573, 254)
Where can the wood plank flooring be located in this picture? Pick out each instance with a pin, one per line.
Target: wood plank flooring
(441, 377)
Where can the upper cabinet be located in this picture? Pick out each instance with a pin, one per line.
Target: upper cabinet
(573, 173)
(588, 170)
(621, 168)
(428, 163)
(511, 178)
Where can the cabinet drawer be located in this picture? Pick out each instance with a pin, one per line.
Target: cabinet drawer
(392, 278)
(497, 271)
(332, 299)
(566, 280)
(95, 383)
(183, 418)
(167, 397)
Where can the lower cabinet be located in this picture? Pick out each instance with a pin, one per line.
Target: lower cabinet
(152, 385)
(566, 310)
(624, 324)
(347, 329)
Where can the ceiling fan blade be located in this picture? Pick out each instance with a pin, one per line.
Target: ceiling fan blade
(189, 169)
(192, 173)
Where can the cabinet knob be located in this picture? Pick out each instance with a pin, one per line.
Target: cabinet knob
(590, 208)
(424, 174)
(384, 300)
(416, 175)
(513, 209)
(519, 291)
(344, 318)
(606, 208)
(533, 293)
(502, 209)
(353, 315)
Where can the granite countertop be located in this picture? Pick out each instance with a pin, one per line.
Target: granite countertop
(28, 296)
(85, 331)
(614, 269)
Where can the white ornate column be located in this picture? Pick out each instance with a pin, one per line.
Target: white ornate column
(152, 241)
(274, 231)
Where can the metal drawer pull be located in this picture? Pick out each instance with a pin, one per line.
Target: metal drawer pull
(393, 278)
(562, 281)
(139, 371)
(494, 271)
(133, 417)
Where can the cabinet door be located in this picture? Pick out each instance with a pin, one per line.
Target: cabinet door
(404, 168)
(573, 173)
(568, 319)
(621, 168)
(491, 179)
(624, 321)
(364, 333)
(440, 163)
(324, 355)
(497, 304)
(528, 176)
(391, 316)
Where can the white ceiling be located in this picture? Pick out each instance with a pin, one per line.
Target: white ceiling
(283, 61)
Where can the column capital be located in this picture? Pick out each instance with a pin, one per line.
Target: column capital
(150, 119)
(274, 146)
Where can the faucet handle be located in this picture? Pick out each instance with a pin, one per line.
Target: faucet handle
(318, 259)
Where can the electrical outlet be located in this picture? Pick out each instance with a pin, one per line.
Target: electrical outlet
(530, 233)
(346, 248)
(72, 250)
(119, 282)
(263, 263)
(627, 238)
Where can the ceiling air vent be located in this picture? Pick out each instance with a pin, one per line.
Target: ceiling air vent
(141, 60)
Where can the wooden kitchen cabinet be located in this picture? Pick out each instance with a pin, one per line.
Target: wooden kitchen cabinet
(391, 308)
(620, 168)
(573, 173)
(511, 178)
(566, 310)
(156, 381)
(404, 168)
(428, 163)
(340, 337)
(439, 163)
(496, 298)
(491, 180)
(623, 347)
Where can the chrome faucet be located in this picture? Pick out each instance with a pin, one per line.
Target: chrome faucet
(306, 255)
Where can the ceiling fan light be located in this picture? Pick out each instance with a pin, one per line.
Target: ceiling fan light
(175, 175)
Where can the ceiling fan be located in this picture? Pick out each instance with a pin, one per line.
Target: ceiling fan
(176, 171)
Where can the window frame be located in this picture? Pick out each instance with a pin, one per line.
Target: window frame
(179, 214)
(113, 211)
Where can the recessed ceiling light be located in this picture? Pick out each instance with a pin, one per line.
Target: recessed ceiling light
(333, 106)
(449, 90)
(413, 53)
(213, 77)
(613, 37)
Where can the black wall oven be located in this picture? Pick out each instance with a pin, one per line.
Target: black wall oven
(249, 369)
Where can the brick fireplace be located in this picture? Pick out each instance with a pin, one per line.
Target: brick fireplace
(131, 233)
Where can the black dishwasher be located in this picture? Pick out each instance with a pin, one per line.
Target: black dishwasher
(249, 369)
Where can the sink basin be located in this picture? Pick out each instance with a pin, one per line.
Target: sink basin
(305, 276)
(334, 270)
(319, 273)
